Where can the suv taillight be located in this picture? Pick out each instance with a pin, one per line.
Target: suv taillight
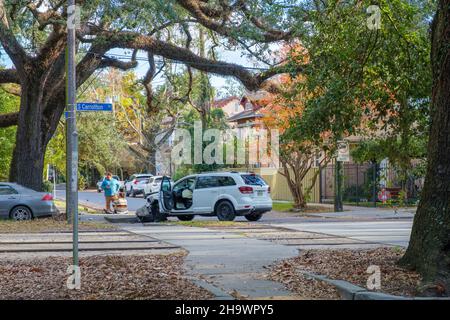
(246, 190)
(47, 197)
(268, 190)
(135, 181)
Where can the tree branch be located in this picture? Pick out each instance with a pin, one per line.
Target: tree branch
(12, 89)
(9, 76)
(9, 42)
(131, 40)
(44, 18)
(107, 62)
(205, 17)
(9, 119)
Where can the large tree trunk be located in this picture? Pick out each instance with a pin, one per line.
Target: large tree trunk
(34, 131)
(28, 156)
(429, 247)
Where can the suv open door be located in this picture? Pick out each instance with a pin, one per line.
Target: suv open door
(166, 201)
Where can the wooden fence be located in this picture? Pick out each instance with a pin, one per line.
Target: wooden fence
(279, 186)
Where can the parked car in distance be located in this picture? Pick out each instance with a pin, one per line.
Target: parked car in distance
(99, 183)
(153, 185)
(223, 194)
(20, 203)
(135, 184)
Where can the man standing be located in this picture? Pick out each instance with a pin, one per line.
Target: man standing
(111, 187)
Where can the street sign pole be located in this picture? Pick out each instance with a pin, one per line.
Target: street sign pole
(338, 206)
(342, 156)
(72, 134)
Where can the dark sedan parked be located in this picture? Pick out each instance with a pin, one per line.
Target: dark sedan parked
(20, 203)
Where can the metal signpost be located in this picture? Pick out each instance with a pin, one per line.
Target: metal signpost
(343, 155)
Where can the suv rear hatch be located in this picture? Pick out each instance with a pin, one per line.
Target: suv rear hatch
(261, 190)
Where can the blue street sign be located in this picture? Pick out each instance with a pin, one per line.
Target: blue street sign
(89, 106)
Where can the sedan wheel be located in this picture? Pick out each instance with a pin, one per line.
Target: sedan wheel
(21, 213)
(225, 211)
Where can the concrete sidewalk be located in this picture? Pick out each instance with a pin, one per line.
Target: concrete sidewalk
(229, 261)
(366, 213)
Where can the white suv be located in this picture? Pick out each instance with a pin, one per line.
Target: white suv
(135, 184)
(224, 194)
(153, 185)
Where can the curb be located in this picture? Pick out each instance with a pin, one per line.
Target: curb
(122, 219)
(218, 293)
(349, 291)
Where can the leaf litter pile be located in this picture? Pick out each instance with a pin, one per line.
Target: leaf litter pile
(102, 277)
(348, 265)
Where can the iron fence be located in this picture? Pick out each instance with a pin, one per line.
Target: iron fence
(362, 182)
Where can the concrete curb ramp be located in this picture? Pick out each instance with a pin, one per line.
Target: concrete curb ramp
(349, 291)
(218, 293)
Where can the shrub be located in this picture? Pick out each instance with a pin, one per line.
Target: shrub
(47, 186)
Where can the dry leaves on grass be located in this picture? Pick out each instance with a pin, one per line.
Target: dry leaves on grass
(307, 288)
(351, 266)
(102, 277)
(48, 224)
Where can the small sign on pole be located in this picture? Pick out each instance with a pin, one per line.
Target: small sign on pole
(92, 106)
(343, 151)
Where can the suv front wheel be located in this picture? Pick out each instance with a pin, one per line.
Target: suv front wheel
(225, 211)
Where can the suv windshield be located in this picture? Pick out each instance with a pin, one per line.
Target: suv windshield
(253, 180)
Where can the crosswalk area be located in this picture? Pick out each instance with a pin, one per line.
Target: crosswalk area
(90, 243)
(372, 233)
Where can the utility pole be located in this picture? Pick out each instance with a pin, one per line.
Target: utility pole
(71, 129)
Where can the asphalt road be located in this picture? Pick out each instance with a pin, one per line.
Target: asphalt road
(97, 199)
(362, 224)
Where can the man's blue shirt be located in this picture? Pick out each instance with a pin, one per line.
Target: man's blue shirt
(111, 187)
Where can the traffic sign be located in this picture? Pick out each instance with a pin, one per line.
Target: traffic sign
(90, 106)
(343, 151)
